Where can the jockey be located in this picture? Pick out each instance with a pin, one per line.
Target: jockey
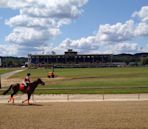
(26, 80)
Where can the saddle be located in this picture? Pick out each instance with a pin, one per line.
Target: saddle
(22, 86)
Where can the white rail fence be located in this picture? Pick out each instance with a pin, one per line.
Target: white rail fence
(78, 97)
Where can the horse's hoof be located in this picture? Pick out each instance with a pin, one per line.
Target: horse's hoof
(9, 101)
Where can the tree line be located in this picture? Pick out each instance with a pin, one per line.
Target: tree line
(13, 61)
(132, 59)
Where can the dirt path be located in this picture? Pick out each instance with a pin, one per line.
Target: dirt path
(7, 75)
(89, 115)
(6, 81)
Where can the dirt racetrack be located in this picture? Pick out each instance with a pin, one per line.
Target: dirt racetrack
(76, 115)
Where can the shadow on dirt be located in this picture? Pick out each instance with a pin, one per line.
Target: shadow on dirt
(19, 104)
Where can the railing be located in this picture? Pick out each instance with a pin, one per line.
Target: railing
(84, 97)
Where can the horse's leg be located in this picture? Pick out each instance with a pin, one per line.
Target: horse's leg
(11, 98)
(24, 101)
(29, 95)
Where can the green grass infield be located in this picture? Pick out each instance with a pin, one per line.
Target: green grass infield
(91, 80)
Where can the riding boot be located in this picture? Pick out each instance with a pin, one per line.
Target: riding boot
(25, 88)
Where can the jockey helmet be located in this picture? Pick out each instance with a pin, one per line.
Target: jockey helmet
(28, 74)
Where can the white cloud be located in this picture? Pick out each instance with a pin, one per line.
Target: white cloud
(145, 49)
(142, 14)
(46, 8)
(36, 22)
(116, 38)
(116, 33)
(13, 4)
(83, 44)
(125, 48)
(108, 39)
(91, 45)
(8, 49)
(142, 29)
(30, 36)
(142, 26)
(39, 20)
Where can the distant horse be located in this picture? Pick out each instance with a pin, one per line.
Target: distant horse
(30, 89)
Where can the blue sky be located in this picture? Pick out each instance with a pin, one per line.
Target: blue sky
(98, 12)
(5, 14)
(87, 26)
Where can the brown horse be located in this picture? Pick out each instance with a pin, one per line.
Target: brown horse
(16, 87)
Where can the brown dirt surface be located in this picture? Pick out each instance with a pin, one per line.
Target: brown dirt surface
(86, 115)
(8, 82)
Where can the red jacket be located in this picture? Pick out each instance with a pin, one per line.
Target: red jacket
(27, 80)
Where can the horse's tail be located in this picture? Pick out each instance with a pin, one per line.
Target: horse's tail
(5, 92)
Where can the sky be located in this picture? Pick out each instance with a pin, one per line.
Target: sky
(86, 26)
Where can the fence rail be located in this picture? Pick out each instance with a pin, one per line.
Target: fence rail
(88, 88)
(83, 97)
(78, 98)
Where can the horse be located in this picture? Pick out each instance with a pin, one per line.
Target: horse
(16, 87)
